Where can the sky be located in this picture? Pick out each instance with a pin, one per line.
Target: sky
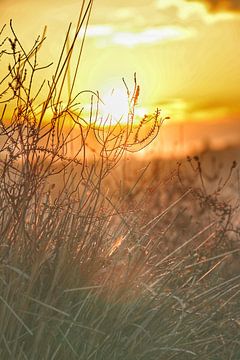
(186, 53)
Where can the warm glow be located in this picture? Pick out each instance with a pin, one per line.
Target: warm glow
(185, 54)
(114, 106)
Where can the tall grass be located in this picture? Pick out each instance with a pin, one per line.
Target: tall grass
(85, 273)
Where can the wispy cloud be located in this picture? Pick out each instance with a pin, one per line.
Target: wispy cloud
(152, 36)
(186, 9)
(180, 109)
(149, 36)
(99, 30)
(220, 5)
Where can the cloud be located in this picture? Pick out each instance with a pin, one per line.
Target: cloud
(220, 105)
(186, 10)
(220, 5)
(152, 36)
(147, 36)
(99, 30)
(182, 109)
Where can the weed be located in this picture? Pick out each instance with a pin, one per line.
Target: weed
(85, 274)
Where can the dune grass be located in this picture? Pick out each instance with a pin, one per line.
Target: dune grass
(92, 271)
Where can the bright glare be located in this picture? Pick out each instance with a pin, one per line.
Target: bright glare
(114, 106)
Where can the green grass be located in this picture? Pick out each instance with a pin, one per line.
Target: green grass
(95, 270)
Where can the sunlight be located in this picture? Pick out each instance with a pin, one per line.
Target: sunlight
(114, 106)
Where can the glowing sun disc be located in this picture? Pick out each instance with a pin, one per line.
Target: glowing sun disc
(115, 106)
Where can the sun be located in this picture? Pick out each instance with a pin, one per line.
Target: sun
(114, 107)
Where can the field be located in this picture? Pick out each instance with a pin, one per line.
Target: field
(104, 254)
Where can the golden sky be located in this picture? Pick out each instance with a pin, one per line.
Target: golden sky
(186, 53)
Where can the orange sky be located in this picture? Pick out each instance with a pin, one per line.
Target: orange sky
(186, 53)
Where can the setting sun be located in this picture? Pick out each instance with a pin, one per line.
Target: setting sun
(114, 106)
(185, 54)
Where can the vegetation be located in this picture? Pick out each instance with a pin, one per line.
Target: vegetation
(134, 272)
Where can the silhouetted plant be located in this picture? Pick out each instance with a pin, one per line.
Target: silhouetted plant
(81, 274)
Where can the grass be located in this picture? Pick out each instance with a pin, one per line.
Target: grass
(90, 269)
